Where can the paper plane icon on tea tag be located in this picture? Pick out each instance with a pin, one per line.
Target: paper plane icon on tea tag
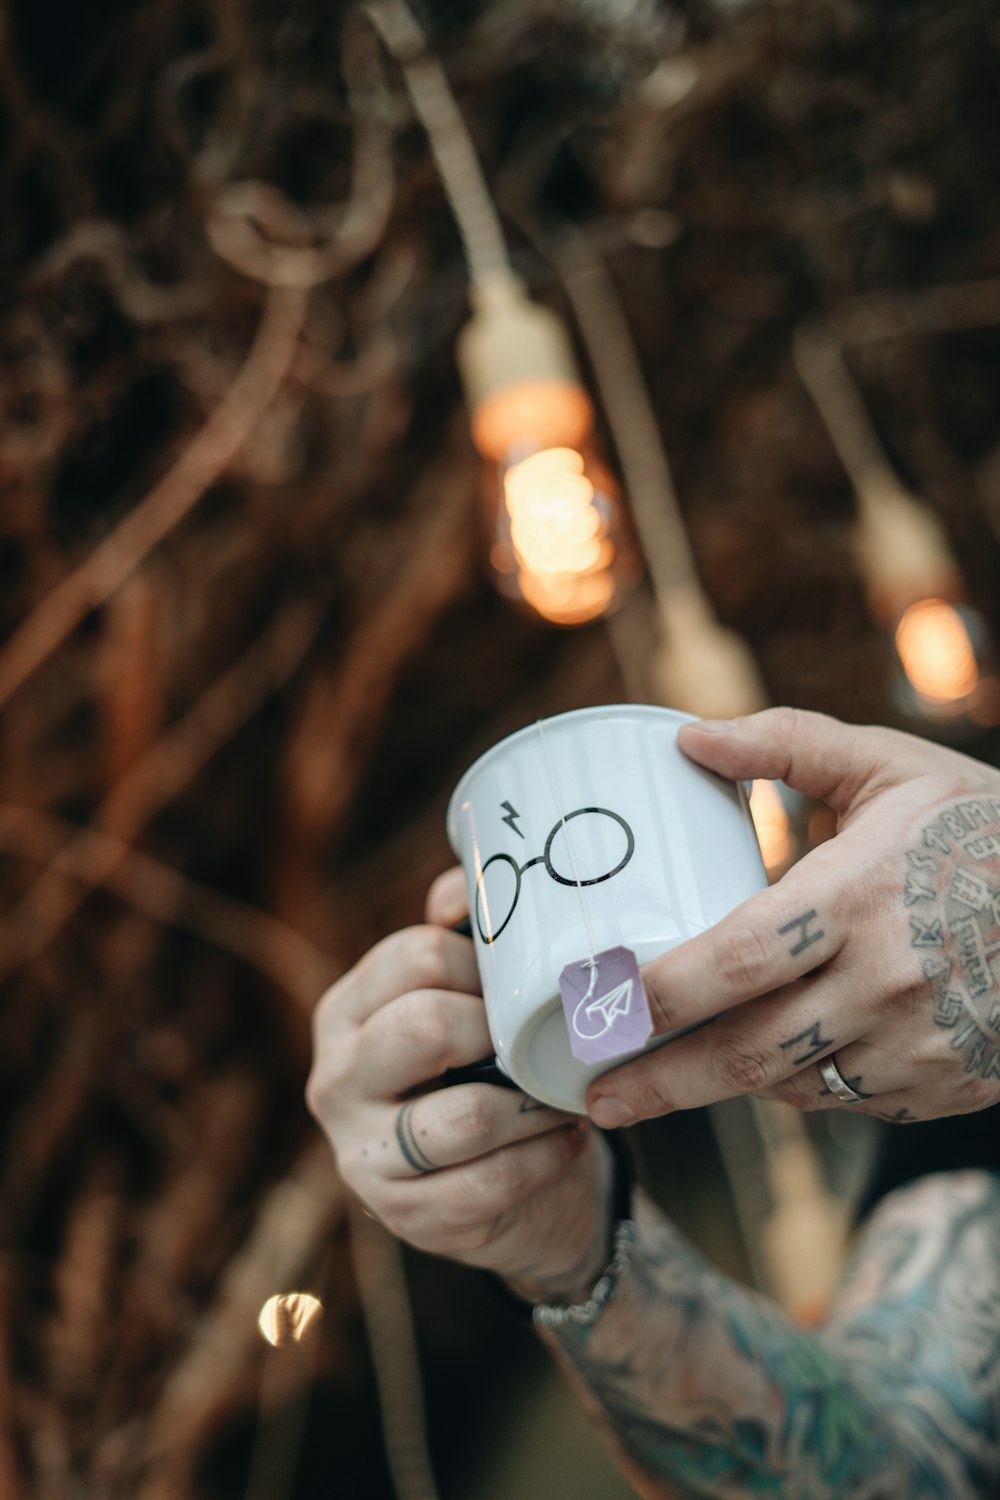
(607, 1013)
(592, 1019)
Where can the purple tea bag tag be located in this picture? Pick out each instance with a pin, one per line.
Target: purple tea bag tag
(607, 1012)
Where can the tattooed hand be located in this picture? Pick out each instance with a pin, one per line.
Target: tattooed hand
(475, 1172)
(880, 949)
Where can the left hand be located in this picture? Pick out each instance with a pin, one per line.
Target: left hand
(479, 1173)
(879, 950)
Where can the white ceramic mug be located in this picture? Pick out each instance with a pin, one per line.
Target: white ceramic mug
(581, 833)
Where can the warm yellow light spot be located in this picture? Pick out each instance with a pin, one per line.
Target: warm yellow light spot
(774, 833)
(568, 599)
(532, 414)
(559, 536)
(290, 1318)
(936, 652)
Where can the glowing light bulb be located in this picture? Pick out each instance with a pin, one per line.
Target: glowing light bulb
(557, 525)
(290, 1318)
(936, 653)
(560, 534)
(558, 541)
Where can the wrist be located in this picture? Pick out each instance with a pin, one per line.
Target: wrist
(572, 1283)
(569, 1283)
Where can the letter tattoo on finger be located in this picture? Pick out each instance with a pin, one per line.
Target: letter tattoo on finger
(528, 1106)
(806, 938)
(413, 1153)
(814, 1040)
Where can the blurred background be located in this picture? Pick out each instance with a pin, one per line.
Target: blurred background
(278, 561)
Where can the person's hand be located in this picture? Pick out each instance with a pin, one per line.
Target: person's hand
(479, 1173)
(880, 949)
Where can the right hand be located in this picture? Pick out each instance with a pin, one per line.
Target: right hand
(482, 1174)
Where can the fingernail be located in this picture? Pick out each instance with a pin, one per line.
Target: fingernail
(610, 1114)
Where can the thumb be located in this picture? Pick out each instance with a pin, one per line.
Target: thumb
(816, 755)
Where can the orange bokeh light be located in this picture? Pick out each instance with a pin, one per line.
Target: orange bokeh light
(531, 414)
(559, 536)
(936, 652)
(774, 831)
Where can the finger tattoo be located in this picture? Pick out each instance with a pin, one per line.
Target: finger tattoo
(811, 1040)
(806, 938)
(411, 1148)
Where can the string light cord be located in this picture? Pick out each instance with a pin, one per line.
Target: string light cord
(455, 157)
(386, 1307)
(947, 308)
(820, 365)
(703, 666)
(903, 549)
(635, 431)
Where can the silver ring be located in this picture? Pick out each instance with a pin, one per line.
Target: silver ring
(837, 1086)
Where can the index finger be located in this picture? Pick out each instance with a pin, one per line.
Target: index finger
(417, 958)
(773, 938)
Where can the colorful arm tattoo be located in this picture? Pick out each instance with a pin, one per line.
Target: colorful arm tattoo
(709, 1391)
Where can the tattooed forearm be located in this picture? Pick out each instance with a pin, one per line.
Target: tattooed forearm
(952, 887)
(709, 1392)
(918, 1319)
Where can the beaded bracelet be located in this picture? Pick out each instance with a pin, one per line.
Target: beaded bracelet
(604, 1290)
(623, 1234)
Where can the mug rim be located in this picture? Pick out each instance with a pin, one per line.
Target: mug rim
(593, 711)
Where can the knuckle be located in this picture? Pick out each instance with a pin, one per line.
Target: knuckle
(421, 956)
(647, 1095)
(786, 723)
(327, 1077)
(664, 1014)
(474, 1122)
(978, 1094)
(412, 959)
(327, 1016)
(743, 960)
(316, 1092)
(326, 1006)
(740, 1066)
(505, 1176)
(425, 1023)
(654, 1101)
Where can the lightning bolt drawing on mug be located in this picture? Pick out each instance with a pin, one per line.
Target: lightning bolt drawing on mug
(512, 815)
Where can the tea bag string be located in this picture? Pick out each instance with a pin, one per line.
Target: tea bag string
(564, 823)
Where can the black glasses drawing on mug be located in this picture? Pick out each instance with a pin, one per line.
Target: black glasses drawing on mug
(492, 901)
